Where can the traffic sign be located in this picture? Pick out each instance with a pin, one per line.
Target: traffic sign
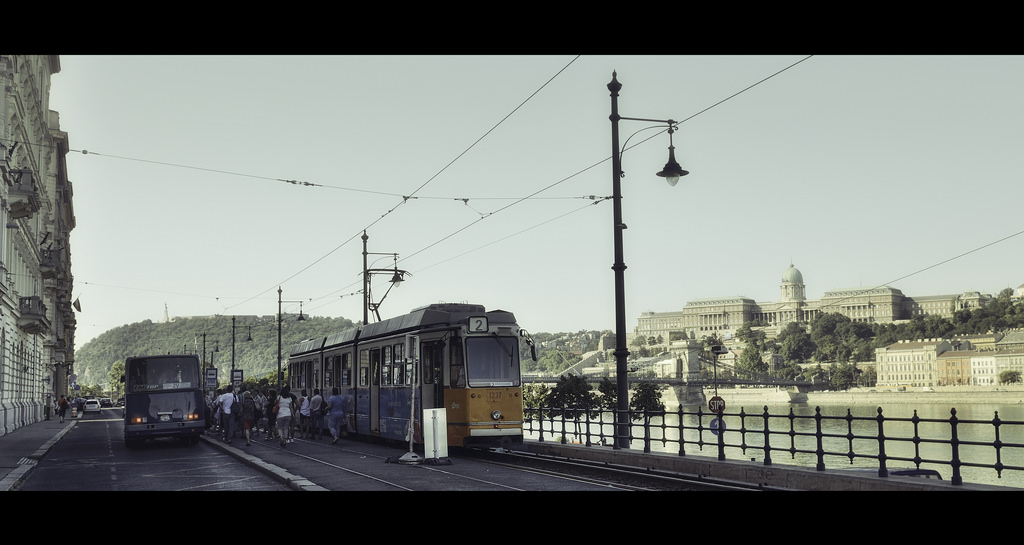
(717, 424)
(717, 405)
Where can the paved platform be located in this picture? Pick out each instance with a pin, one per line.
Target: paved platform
(356, 464)
(21, 449)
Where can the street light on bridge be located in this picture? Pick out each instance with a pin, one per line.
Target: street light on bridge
(672, 172)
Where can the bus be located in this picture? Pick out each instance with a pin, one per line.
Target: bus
(163, 398)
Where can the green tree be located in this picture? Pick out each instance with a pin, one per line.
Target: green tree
(646, 399)
(115, 378)
(751, 361)
(1009, 377)
(795, 344)
(571, 395)
(609, 394)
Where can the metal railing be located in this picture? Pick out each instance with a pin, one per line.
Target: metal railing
(817, 439)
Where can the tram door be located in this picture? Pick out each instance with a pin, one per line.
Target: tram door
(431, 361)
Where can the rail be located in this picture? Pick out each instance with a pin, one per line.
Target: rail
(819, 438)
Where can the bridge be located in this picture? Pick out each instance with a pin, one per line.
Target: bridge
(678, 370)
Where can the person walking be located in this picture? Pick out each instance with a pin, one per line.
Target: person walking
(62, 407)
(227, 420)
(316, 412)
(270, 409)
(336, 415)
(304, 415)
(261, 414)
(247, 415)
(285, 409)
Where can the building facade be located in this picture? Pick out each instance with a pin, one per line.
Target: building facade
(38, 320)
(724, 315)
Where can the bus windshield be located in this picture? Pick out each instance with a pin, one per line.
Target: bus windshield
(162, 374)
(492, 361)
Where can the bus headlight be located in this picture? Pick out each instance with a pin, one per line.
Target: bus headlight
(496, 414)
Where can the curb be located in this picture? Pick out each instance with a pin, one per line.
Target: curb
(294, 482)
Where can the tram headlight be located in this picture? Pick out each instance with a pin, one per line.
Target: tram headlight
(496, 414)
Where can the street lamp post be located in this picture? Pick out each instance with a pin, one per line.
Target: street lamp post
(398, 276)
(300, 318)
(248, 339)
(672, 172)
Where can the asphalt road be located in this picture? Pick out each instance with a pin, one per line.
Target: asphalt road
(93, 457)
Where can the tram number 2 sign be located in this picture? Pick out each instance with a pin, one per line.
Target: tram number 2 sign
(717, 405)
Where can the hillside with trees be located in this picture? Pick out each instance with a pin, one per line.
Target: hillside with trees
(94, 359)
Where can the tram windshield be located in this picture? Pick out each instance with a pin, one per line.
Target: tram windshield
(492, 361)
(162, 374)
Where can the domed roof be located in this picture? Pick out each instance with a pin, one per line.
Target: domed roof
(793, 275)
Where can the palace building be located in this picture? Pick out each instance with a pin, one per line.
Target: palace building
(724, 315)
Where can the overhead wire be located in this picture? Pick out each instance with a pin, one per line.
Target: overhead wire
(465, 200)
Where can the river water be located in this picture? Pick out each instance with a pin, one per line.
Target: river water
(974, 424)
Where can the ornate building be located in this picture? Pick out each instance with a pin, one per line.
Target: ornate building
(723, 315)
(37, 321)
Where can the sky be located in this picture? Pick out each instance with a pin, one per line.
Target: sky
(203, 184)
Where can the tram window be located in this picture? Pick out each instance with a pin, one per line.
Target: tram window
(386, 377)
(399, 365)
(431, 359)
(346, 370)
(493, 361)
(364, 368)
(457, 377)
(410, 372)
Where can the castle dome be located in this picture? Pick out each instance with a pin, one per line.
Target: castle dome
(792, 275)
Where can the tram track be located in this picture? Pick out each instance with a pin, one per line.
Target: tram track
(625, 477)
(335, 450)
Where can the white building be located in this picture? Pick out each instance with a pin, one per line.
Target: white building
(983, 369)
(38, 322)
(910, 363)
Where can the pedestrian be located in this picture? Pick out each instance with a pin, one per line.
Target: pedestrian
(62, 407)
(316, 411)
(304, 415)
(270, 409)
(247, 415)
(336, 415)
(261, 414)
(216, 409)
(227, 420)
(285, 406)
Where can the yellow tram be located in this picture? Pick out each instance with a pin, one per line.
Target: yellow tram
(456, 357)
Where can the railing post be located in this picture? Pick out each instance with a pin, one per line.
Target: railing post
(954, 443)
(721, 436)
(682, 431)
(882, 471)
(564, 408)
(767, 440)
(821, 448)
(587, 420)
(998, 444)
(647, 432)
(540, 423)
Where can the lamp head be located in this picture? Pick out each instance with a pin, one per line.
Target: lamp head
(672, 171)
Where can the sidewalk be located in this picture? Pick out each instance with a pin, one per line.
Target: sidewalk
(21, 449)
